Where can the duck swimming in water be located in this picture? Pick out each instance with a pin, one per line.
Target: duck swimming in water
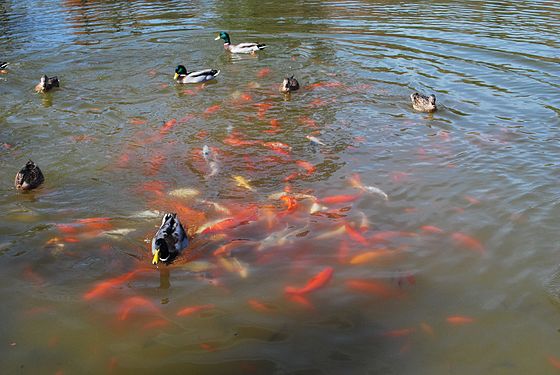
(169, 240)
(47, 84)
(3, 66)
(423, 103)
(29, 177)
(182, 76)
(241, 47)
(289, 84)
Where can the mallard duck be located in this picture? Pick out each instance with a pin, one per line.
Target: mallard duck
(423, 103)
(29, 177)
(241, 47)
(289, 84)
(3, 66)
(47, 83)
(169, 240)
(182, 76)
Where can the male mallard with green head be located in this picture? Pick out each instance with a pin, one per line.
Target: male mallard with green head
(183, 76)
(241, 47)
(423, 103)
(47, 84)
(29, 177)
(289, 84)
(169, 240)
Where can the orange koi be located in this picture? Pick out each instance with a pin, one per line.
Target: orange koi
(188, 92)
(137, 121)
(260, 306)
(375, 287)
(308, 122)
(554, 362)
(226, 249)
(187, 118)
(431, 229)
(67, 228)
(212, 109)
(301, 300)
(355, 235)
(263, 72)
(274, 123)
(459, 320)
(467, 241)
(334, 199)
(316, 282)
(291, 177)
(246, 97)
(70, 239)
(309, 168)
(234, 140)
(134, 302)
(290, 202)
(155, 187)
(276, 146)
(400, 332)
(471, 199)
(262, 109)
(427, 328)
(194, 309)
(318, 103)
(167, 126)
(155, 165)
(104, 286)
(371, 256)
(93, 220)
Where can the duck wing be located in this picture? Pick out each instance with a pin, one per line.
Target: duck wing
(3, 65)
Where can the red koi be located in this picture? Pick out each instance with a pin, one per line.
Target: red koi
(134, 302)
(400, 332)
(375, 287)
(226, 249)
(263, 72)
(104, 286)
(334, 199)
(554, 362)
(93, 220)
(70, 239)
(234, 140)
(459, 320)
(431, 229)
(167, 126)
(194, 309)
(274, 123)
(259, 306)
(137, 121)
(290, 202)
(262, 109)
(67, 228)
(246, 97)
(467, 241)
(155, 165)
(355, 235)
(316, 282)
(212, 109)
(308, 122)
(155, 187)
(301, 300)
(309, 168)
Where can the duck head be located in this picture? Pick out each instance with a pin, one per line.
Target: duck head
(161, 253)
(180, 70)
(224, 36)
(29, 177)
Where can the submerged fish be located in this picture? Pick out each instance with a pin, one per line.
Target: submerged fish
(316, 282)
(184, 193)
(280, 238)
(315, 140)
(242, 182)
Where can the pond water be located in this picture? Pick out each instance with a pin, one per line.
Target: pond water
(298, 263)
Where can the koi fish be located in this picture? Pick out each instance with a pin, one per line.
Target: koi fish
(338, 231)
(157, 323)
(214, 225)
(260, 306)
(263, 72)
(233, 265)
(316, 282)
(277, 146)
(309, 168)
(217, 207)
(184, 193)
(459, 320)
(134, 302)
(335, 199)
(467, 241)
(355, 235)
(426, 328)
(356, 182)
(242, 182)
(431, 229)
(370, 256)
(280, 238)
(375, 287)
(308, 122)
(364, 222)
(210, 158)
(212, 109)
(315, 140)
(194, 309)
(226, 249)
(400, 332)
(137, 121)
(168, 125)
(104, 286)
(554, 362)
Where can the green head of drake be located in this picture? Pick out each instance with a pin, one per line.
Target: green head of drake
(180, 70)
(224, 36)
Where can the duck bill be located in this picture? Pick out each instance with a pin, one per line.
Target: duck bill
(217, 38)
(155, 260)
(176, 76)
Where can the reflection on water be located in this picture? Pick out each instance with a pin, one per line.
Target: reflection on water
(298, 262)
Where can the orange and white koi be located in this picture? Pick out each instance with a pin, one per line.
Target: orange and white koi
(315, 140)
(356, 182)
(316, 282)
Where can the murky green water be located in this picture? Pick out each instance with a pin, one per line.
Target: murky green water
(453, 274)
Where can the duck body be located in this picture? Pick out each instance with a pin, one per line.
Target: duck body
(423, 103)
(47, 84)
(169, 240)
(241, 47)
(200, 76)
(3, 66)
(289, 84)
(29, 177)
